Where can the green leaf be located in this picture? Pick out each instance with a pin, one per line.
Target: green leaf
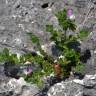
(71, 25)
(83, 33)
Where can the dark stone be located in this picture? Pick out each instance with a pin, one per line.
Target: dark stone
(45, 5)
(78, 75)
(54, 80)
(74, 45)
(11, 70)
(18, 6)
(34, 53)
(44, 91)
(55, 51)
(86, 55)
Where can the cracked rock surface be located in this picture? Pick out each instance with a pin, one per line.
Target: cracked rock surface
(75, 87)
(18, 17)
(14, 87)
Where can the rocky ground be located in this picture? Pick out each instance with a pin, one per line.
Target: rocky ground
(19, 17)
(75, 87)
(16, 87)
(69, 87)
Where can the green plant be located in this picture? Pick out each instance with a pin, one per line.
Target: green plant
(64, 22)
(70, 59)
(35, 78)
(71, 56)
(6, 56)
(45, 69)
(37, 75)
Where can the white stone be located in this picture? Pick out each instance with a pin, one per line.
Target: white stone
(79, 93)
(4, 41)
(49, 9)
(90, 77)
(95, 51)
(54, 94)
(21, 25)
(18, 40)
(21, 81)
(6, 1)
(81, 82)
(14, 16)
(49, 94)
(32, 22)
(59, 84)
(63, 87)
(52, 89)
(11, 83)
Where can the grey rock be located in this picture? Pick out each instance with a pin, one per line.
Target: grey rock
(18, 87)
(90, 81)
(90, 92)
(75, 87)
(81, 3)
(66, 89)
(90, 86)
(18, 17)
